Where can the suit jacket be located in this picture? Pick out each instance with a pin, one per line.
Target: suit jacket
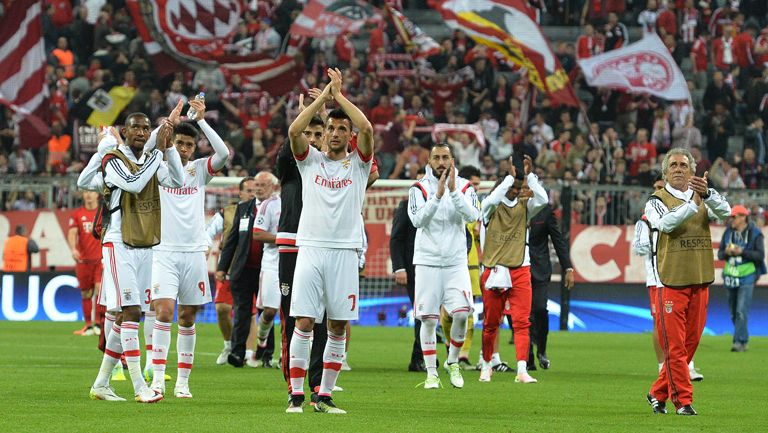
(237, 246)
(402, 240)
(544, 225)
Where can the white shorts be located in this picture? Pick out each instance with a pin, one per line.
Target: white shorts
(448, 286)
(182, 276)
(127, 276)
(269, 290)
(326, 281)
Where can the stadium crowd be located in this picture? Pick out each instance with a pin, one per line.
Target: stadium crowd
(616, 138)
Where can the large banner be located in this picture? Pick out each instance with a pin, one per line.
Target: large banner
(603, 254)
(48, 229)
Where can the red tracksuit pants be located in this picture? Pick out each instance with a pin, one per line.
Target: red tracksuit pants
(516, 302)
(681, 315)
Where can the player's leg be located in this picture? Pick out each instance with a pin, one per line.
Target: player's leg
(223, 304)
(165, 286)
(345, 362)
(466, 348)
(268, 300)
(519, 297)
(85, 281)
(150, 317)
(417, 358)
(652, 292)
(428, 297)
(493, 306)
(446, 322)
(307, 307)
(286, 268)
(99, 310)
(243, 291)
(457, 300)
(539, 330)
(674, 381)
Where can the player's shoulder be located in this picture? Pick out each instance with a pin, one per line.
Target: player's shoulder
(463, 184)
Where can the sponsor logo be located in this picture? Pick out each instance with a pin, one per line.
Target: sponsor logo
(187, 190)
(332, 183)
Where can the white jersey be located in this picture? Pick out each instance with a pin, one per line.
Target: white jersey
(117, 175)
(267, 217)
(333, 194)
(642, 245)
(182, 225)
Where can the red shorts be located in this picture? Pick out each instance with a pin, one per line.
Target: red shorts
(88, 274)
(223, 293)
(653, 294)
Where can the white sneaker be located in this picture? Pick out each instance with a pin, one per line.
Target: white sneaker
(344, 365)
(695, 375)
(254, 363)
(182, 391)
(222, 359)
(105, 393)
(486, 371)
(432, 382)
(147, 395)
(158, 387)
(524, 378)
(337, 388)
(454, 370)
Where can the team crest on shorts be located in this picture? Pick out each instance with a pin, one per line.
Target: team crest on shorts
(668, 306)
(506, 305)
(127, 294)
(285, 289)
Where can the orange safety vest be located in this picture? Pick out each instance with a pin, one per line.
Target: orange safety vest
(15, 254)
(58, 147)
(66, 61)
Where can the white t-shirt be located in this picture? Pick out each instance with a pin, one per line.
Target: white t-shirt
(333, 194)
(182, 222)
(267, 217)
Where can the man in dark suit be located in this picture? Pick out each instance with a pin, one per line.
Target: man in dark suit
(401, 243)
(544, 225)
(242, 257)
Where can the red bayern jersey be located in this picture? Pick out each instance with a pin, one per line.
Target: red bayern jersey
(88, 246)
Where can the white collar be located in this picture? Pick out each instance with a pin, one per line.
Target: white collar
(682, 195)
(129, 153)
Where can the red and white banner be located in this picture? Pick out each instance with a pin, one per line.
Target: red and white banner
(645, 66)
(23, 87)
(603, 254)
(509, 27)
(418, 43)
(323, 18)
(183, 35)
(451, 128)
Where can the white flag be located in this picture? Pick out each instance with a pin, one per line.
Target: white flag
(643, 67)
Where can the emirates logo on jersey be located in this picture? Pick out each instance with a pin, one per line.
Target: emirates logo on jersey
(332, 183)
(181, 191)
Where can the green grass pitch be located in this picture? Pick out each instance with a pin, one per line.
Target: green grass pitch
(597, 383)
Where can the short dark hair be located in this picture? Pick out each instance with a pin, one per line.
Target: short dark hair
(136, 114)
(442, 144)
(20, 229)
(244, 180)
(468, 171)
(421, 170)
(338, 113)
(316, 121)
(186, 128)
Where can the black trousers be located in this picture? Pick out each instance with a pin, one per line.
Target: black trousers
(243, 291)
(287, 266)
(539, 329)
(416, 354)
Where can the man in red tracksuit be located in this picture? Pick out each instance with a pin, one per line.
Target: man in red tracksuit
(506, 281)
(684, 268)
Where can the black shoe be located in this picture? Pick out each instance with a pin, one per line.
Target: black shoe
(295, 403)
(687, 410)
(531, 365)
(464, 364)
(544, 361)
(268, 363)
(417, 367)
(659, 407)
(326, 405)
(235, 360)
(313, 398)
(503, 367)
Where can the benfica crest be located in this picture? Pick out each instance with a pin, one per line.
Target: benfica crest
(668, 306)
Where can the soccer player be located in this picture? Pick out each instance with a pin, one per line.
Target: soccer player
(506, 279)
(265, 231)
(440, 257)
(131, 177)
(326, 280)
(683, 271)
(86, 250)
(222, 223)
(179, 268)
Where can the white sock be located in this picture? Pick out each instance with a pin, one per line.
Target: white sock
(248, 354)
(522, 367)
(112, 352)
(264, 328)
(495, 359)
(429, 343)
(149, 325)
(661, 365)
(161, 337)
(132, 352)
(458, 333)
(228, 345)
(185, 348)
(109, 321)
(332, 357)
(690, 366)
(299, 360)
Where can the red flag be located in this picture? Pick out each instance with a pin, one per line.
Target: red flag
(187, 35)
(22, 70)
(419, 43)
(509, 27)
(323, 18)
